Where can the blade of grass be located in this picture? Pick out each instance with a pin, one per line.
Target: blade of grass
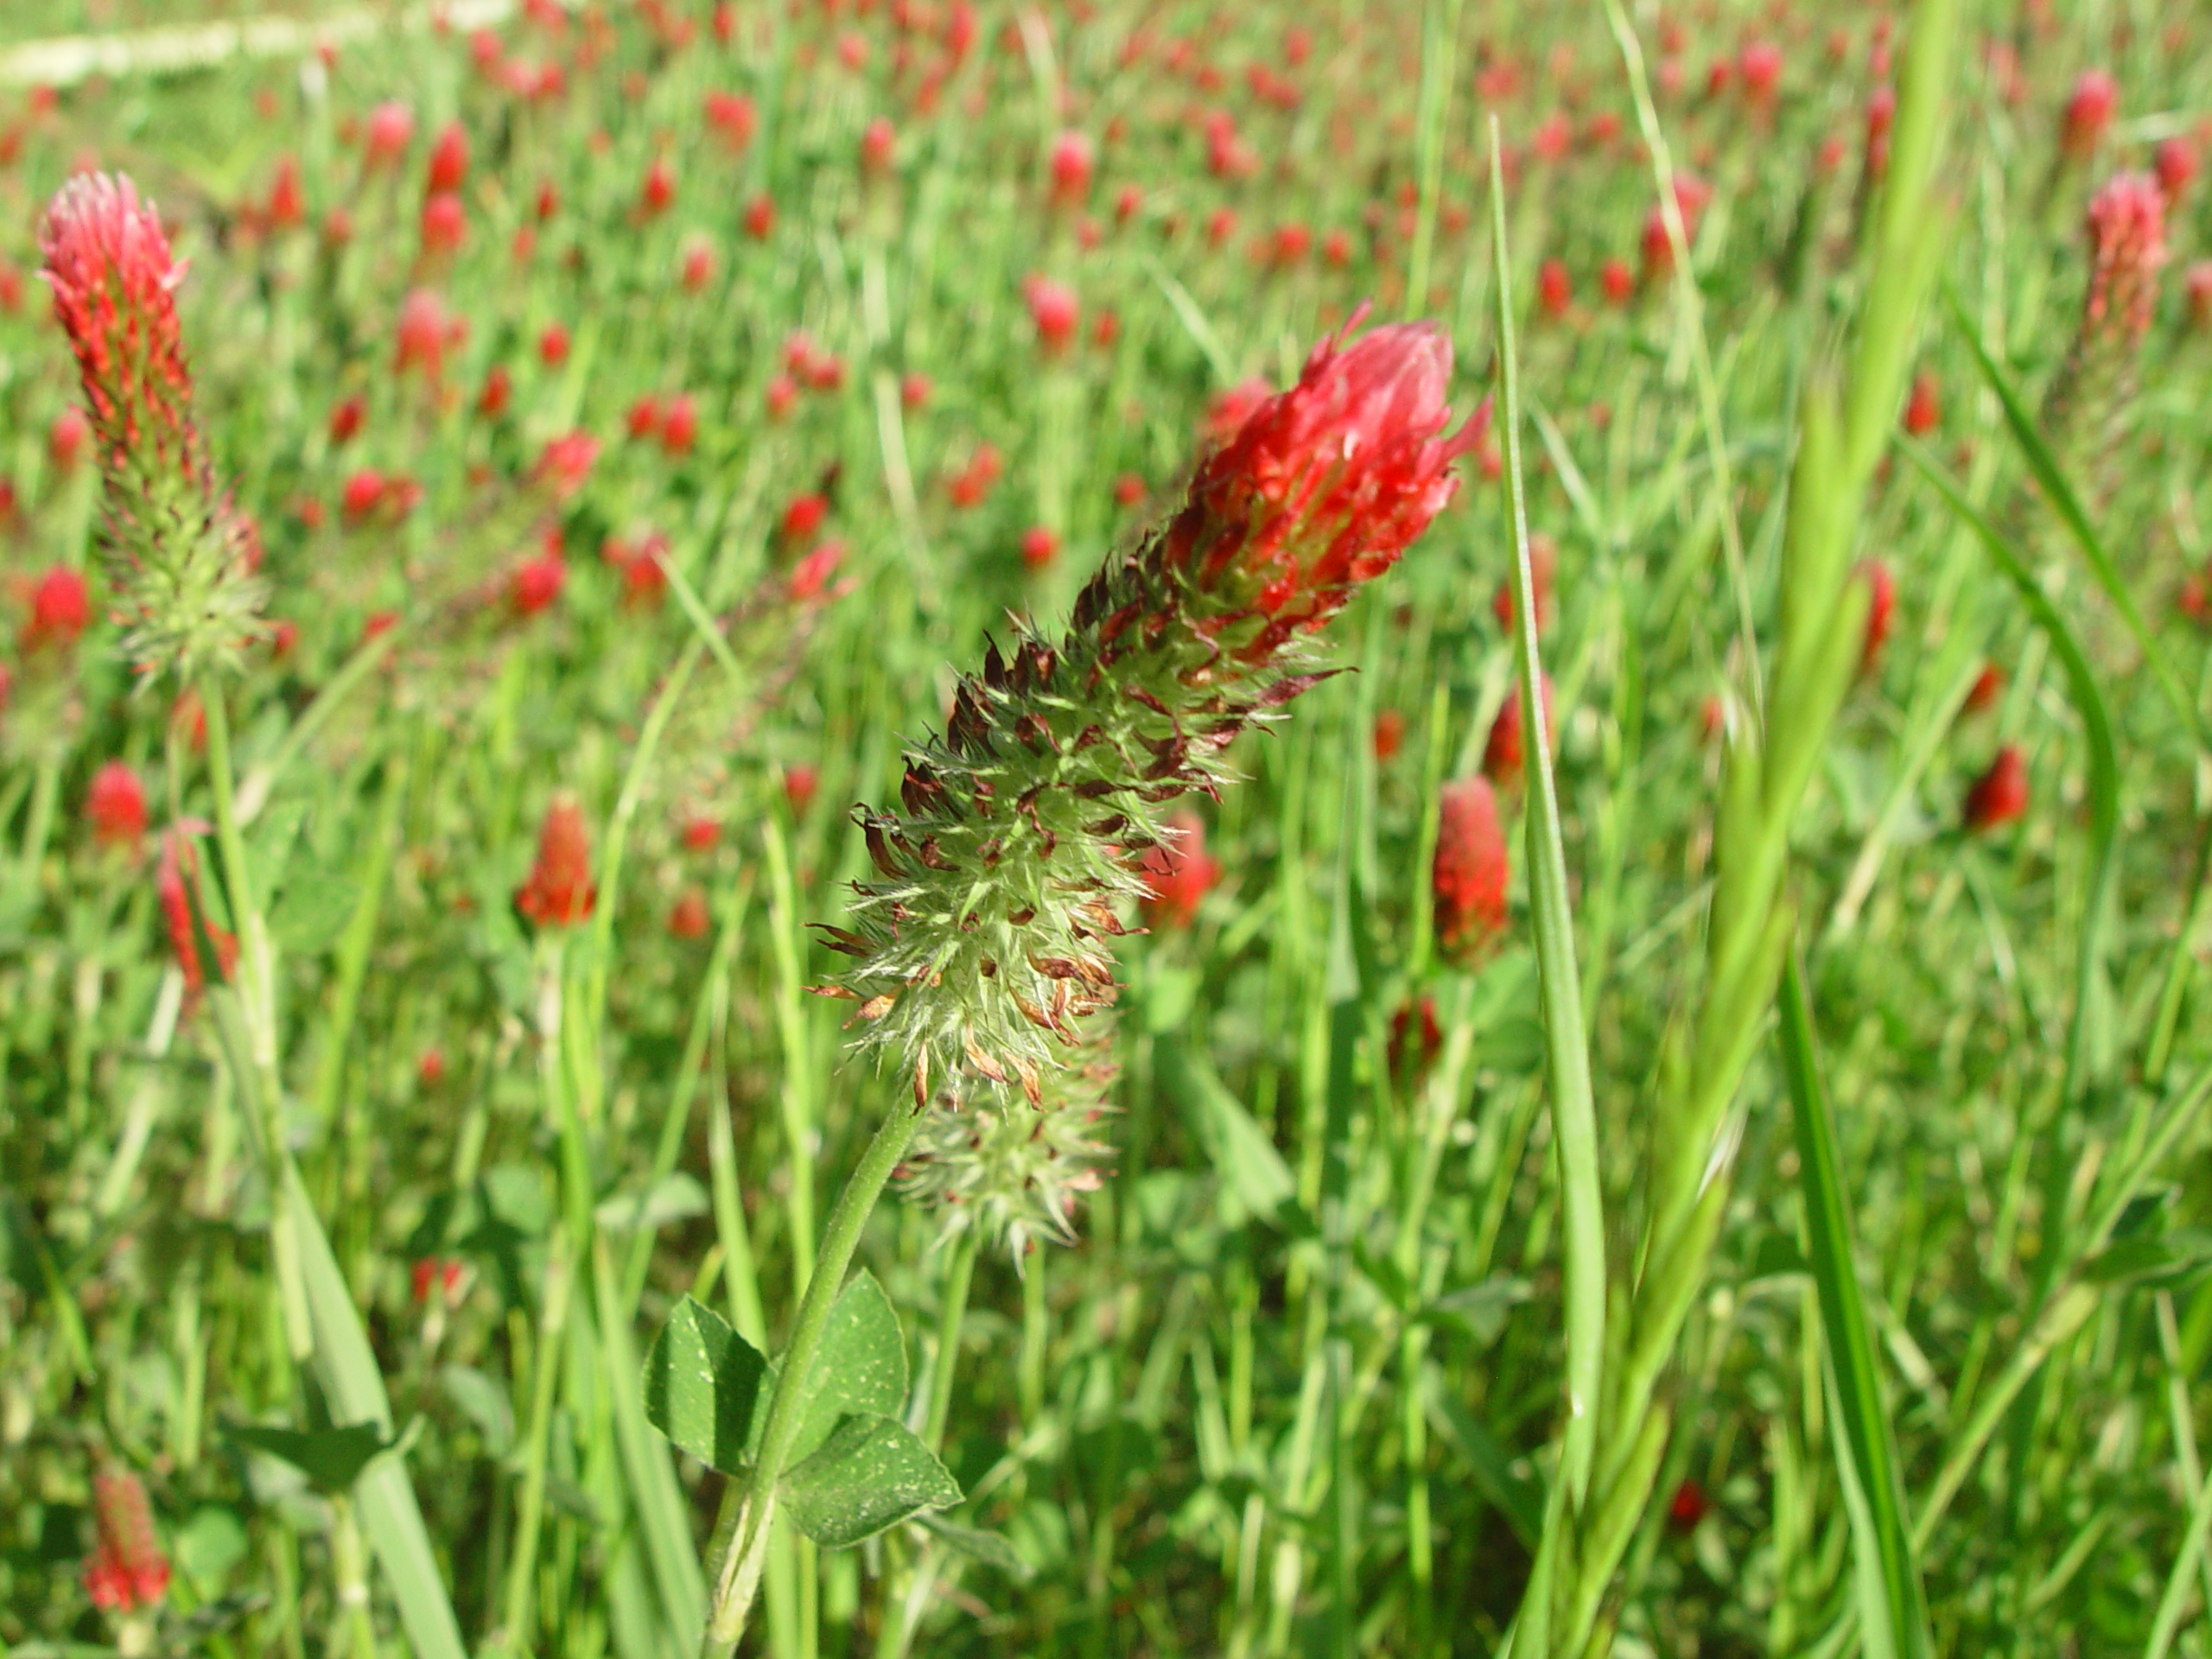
(383, 1494)
(1897, 1622)
(1574, 1121)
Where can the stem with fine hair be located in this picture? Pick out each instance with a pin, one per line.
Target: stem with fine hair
(737, 1575)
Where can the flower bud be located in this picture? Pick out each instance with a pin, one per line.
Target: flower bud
(127, 1570)
(1468, 876)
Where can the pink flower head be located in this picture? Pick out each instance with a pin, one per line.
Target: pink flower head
(423, 334)
(444, 223)
(560, 892)
(2198, 282)
(2176, 163)
(1071, 164)
(1467, 880)
(114, 806)
(390, 130)
(2088, 112)
(1054, 308)
(1759, 64)
(733, 115)
(534, 584)
(2000, 794)
(1503, 749)
(2127, 242)
(60, 609)
(127, 1570)
(658, 190)
(877, 144)
(115, 281)
(449, 159)
(1324, 485)
(1178, 872)
(1923, 409)
(1882, 588)
(565, 463)
(811, 574)
(182, 914)
(679, 423)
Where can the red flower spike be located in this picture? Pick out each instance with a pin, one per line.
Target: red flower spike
(390, 129)
(449, 159)
(1389, 734)
(127, 1570)
(2175, 163)
(1071, 164)
(1883, 587)
(1503, 750)
(2127, 240)
(114, 281)
(679, 423)
(1554, 291)
(1687, 1507)
(114, 806)
(804, 517)
(658, 190)
(1999, 795)
(1983, 694)
(1416, 1039)
(181, 914)
(60, 609)
(1324, 485)
(800, 782)
(535, 584)
(1543, 566)
(687, 918)
(1053, 308)
(1041, 544)
(2088, 112)
(1468, 877)
(1178, 872)
(559, 893)
(1923, 410)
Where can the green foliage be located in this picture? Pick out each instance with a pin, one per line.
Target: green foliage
(1918, 1283)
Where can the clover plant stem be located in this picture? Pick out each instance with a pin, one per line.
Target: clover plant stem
(737, 1576)
(959, 1272)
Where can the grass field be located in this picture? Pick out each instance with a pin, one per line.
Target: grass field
(1780, 1224)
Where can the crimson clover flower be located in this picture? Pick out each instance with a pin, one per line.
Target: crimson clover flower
(183, 557)
(986, 939)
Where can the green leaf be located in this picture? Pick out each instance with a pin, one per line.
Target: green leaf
(1892, 1609)
(860, 1368)
(2172, 1261)
(484, 1403)
(1256, 1180)
(1519, 1498)
(313, 911)
(702, 1386)
(390, 1518)
(869, 1474)
(331, 1458)
(992, 1548)
(675, 1197)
